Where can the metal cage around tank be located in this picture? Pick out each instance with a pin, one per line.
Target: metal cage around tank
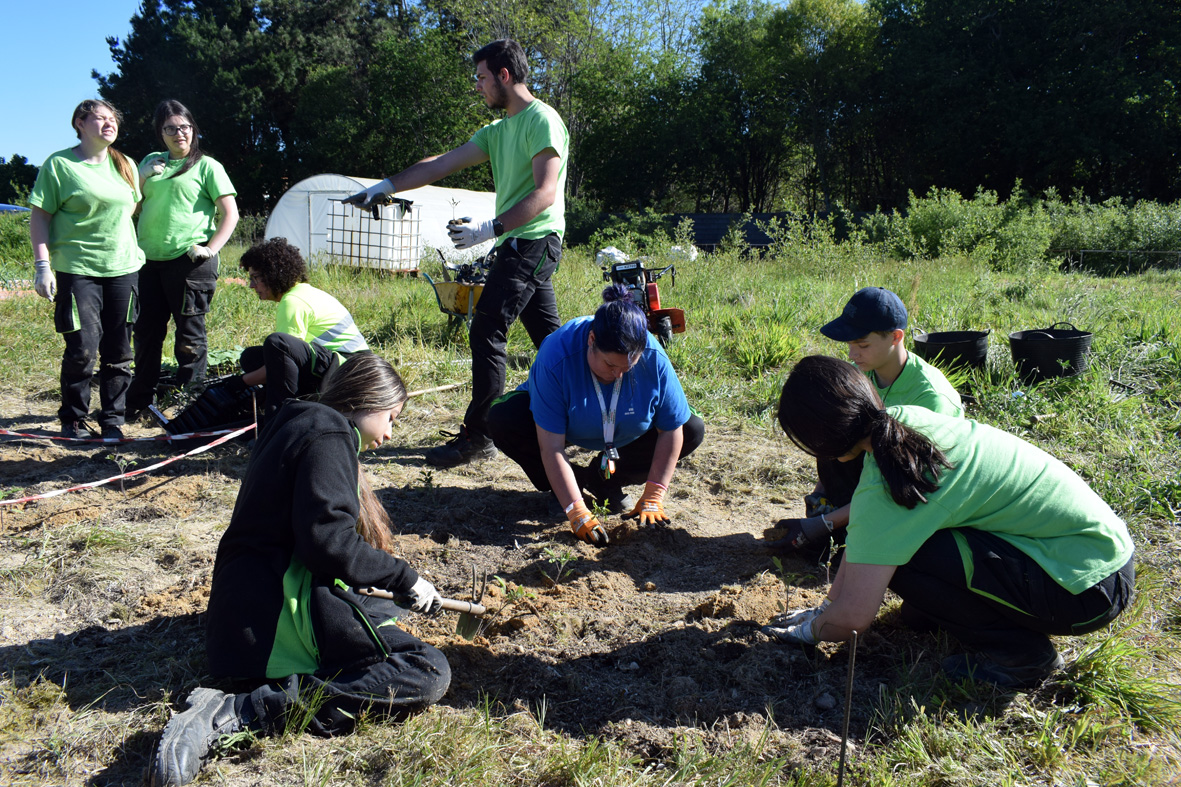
(383, 237)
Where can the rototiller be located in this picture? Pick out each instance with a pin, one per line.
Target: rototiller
(641, 283)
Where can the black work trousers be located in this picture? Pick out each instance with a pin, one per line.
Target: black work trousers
(94, 315)
(514, 432)
(1012, 604)
(518, 286)
(413, 676)
(180, 290)
(294, 368)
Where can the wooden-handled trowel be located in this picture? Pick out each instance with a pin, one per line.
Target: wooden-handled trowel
(469, 612)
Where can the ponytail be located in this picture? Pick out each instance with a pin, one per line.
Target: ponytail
(827, 407)
(126, 171)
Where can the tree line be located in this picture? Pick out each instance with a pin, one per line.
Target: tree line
(677, 107)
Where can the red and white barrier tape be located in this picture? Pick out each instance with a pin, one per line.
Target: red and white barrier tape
(228, 435)
(164, 438)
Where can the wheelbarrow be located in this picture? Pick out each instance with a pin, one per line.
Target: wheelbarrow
(458, 297)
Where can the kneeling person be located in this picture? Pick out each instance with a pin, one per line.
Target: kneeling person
(605, 384)
(313, 331)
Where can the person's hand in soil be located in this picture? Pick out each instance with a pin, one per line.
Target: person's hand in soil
(585, 525)
(650, 507)
(798, 533)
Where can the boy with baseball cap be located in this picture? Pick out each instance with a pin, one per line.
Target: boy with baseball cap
(873, 324)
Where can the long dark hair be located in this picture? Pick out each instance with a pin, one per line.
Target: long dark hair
(619, 323)
(166, 109)
(366, 381)
(122, 165)
(828, 406)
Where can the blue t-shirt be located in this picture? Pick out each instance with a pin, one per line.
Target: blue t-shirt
(562, 391)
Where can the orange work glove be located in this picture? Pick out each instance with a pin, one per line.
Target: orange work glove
(650, 508)
(585, 525)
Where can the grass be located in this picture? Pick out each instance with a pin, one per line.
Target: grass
(1111, 719)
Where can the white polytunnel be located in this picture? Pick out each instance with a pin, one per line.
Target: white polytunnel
(311, 217)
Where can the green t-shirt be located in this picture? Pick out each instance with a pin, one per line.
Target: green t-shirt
(512, 143)
(180, 210)
(91, 232)
(920, 384)
(1000, 484)
(316, 317)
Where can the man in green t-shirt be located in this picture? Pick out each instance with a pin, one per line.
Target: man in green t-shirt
(528, 150)
(873, 324)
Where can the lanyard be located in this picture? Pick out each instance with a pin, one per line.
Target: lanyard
(607, 466)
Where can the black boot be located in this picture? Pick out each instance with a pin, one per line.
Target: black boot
(188, 737)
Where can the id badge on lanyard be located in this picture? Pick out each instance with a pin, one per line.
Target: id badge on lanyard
(610, 455)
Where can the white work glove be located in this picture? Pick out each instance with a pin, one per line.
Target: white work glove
(467, 235)
(44, 281)
(424, 598)
(363, 199)
(151, 167)
(799, 634)
(199, 253)
(789, 619)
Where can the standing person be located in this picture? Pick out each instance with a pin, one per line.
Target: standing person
(86, 260)
(313, 330)
(528, 149)
(873, 324)
(284, 622)
(980, 533)
(181, 236)
(603, 383)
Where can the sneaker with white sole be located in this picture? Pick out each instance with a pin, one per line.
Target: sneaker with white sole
(187, 740)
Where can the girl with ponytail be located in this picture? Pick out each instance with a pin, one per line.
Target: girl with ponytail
(285, 620)
(980, 533)
(602, 383)
(87, 262)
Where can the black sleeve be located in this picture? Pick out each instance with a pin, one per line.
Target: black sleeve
(324, 519)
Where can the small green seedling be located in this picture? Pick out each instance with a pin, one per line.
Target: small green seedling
(515, 593)
(560, 559)
(124, 464)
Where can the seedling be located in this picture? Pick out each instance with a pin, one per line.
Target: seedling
(124, 463)
(515, 592)
(560, 559)
(426, 478)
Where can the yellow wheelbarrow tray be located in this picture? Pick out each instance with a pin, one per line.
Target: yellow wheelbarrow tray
(456, 299)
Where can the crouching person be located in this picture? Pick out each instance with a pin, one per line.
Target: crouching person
(980, 533)
(286, 628)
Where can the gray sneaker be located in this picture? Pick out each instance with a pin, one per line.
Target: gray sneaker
(463, 447)
(188, 737)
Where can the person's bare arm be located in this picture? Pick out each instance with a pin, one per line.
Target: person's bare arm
(435, 168)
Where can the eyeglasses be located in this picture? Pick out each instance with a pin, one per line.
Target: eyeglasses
(172, 131)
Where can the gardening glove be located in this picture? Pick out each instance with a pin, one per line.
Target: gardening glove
(799, 633)
(151, 167)
(801, 532)
(650, 508)
(465, 234)
(816, 504)
(789, 619)
(44, 281)
(585, 525)
(424, 598)
(199, 253)
(363, 199)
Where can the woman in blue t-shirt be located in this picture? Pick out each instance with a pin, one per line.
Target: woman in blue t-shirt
(982, 534)
(602, 383)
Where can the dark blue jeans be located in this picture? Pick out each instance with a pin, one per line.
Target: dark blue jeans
(180, 290)
(518, 286)
(94, 315)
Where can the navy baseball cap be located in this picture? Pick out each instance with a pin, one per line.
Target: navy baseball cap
(871, 309)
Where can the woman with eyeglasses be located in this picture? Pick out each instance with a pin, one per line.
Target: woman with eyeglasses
(87, 259)
(605, 384)
(189, 213)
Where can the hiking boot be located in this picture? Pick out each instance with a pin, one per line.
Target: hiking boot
(187, 739)
(463, 447)
(112, 432)
(77, 430)
(980, 667)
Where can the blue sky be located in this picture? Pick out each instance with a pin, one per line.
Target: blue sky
(49, 48)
